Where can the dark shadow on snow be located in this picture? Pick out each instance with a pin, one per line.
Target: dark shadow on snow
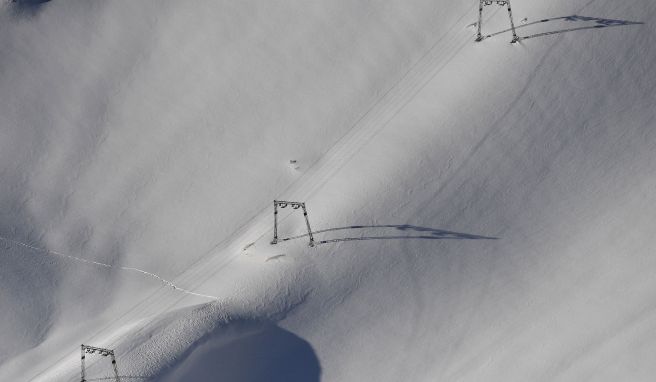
(29, 3)
(261, 352)
(27, 7)
(599, 23)
(420, 233)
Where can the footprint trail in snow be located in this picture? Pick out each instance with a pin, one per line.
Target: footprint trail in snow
(162, 280)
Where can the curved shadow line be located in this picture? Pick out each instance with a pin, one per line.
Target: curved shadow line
(435, 234)
(603, 23)
(574, 29)
(404, 237)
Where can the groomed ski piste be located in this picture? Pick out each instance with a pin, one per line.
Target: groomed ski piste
(481, 211)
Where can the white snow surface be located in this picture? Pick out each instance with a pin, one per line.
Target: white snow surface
(483, 211)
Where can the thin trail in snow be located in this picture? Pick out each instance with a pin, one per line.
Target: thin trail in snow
(78, 259)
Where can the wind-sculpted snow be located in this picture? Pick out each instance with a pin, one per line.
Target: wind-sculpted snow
(483, 211)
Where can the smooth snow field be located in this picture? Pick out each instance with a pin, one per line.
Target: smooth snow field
(481, 211)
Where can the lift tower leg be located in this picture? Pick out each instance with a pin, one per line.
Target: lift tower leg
(479, 36)
(307, 221)
(512, 24)
(275, 222)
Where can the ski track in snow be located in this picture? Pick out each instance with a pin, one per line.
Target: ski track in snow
(78, 259)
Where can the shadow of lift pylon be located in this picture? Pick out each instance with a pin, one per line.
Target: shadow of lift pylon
(482, 3)
(294, 205)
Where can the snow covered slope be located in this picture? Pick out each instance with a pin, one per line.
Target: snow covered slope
(485, 208)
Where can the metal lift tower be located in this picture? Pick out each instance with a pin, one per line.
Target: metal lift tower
(86, 349)
(483, 3)
(294, 205)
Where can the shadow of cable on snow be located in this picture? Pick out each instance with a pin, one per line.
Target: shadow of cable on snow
(598, 24)
(410, 232)
(266, 354)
